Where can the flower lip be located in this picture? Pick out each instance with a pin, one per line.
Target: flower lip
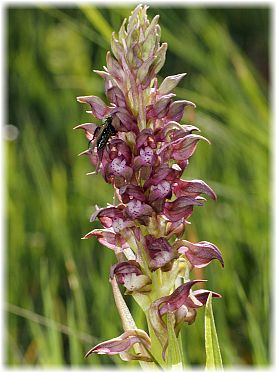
(118, 172)
(147, 155)
(136, 209)
(160, 191)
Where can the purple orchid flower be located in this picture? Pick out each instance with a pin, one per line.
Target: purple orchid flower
(160, 253)
(143, 156)
(199, 254)
(130, 275)
(122, 344)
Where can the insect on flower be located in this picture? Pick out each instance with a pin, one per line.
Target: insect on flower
(103, 133)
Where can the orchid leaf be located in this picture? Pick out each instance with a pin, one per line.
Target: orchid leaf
(173, 356)
(213, 355)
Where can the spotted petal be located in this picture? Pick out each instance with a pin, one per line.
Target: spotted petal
(137, 209)
(160, 253)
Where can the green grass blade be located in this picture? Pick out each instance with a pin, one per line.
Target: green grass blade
(98, 21)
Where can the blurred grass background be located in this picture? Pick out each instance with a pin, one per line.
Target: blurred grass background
(58, 299)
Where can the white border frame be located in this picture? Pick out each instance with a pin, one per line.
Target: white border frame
(209, 3)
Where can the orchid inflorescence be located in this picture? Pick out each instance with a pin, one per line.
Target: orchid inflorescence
(143, 154)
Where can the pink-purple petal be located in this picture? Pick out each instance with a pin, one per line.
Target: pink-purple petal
(109, 239)
(176, 109)
(202, 295)
(178, 298)
(160, 253)
(169, 83)
(181, 208)
(136, 209)
(89, 129)
(160, 191)
(122, 343)
(107, 215)
(200, 254)
(98, 107)
(130, 191)
(192, 188)
(143, 136)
